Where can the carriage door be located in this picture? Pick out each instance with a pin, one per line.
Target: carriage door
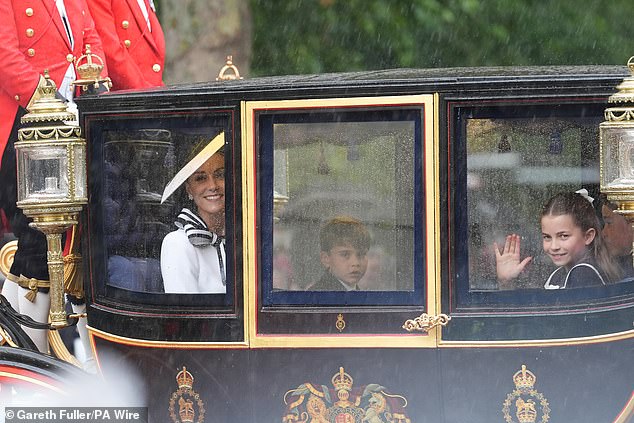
(503, 160)
(341, 197)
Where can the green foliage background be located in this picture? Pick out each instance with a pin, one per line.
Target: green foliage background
(315, 36)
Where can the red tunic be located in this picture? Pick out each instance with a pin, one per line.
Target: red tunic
(134, 54)
(32, 39)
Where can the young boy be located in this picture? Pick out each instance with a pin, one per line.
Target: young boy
(344, 243)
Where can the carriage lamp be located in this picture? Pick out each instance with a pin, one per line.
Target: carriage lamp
(617, 147)
(51, 166)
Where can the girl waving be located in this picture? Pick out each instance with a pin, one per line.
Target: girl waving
(571, 237)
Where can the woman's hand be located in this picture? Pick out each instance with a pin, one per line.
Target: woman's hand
(507, 262)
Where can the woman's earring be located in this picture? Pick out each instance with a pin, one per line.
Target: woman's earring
(191, 197)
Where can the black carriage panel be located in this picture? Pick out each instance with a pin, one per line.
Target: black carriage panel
(140, 173)
(436, 165)
(505, 159)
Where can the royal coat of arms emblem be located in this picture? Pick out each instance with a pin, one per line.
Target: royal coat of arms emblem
(185, 403)
(343, 403)
(525, 403)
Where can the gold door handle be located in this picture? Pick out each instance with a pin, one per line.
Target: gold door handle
(426, 322)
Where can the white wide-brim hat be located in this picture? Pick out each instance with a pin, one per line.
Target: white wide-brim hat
(192, 166)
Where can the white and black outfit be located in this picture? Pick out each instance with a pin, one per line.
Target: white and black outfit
(193, 258)
(581, 275)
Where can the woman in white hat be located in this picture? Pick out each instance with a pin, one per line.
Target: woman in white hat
(193, 256)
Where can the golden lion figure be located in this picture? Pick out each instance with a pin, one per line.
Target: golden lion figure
(526, 412)
(186, 410)
(317, 410)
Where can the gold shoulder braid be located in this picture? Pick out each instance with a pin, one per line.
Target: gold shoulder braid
(73, 273)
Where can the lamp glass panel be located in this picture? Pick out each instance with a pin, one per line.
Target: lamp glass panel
(45, 173)
(79, 160)
(618, 156)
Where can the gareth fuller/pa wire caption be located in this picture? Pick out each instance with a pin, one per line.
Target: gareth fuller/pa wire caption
(75, 414)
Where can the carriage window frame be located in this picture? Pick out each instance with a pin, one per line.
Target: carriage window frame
(286, 320)
(460, 300)
(272, 297)
(161, 304)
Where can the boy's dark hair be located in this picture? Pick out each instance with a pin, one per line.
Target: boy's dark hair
(342, 230)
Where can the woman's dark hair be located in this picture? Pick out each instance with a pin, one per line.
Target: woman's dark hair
(584, 216)
(202, 143)
(199, 145)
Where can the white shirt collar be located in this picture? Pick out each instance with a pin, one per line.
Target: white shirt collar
(145, 13)
(62, 13)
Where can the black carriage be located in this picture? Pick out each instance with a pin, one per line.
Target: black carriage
(438, 164)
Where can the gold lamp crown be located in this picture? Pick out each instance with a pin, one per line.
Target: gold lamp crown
(185, 379)
(621, 109)
(625, 92)
(47, 108)
(342, 381)
(87, 68)
(524, 379)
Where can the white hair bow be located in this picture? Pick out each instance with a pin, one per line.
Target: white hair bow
(584, 193)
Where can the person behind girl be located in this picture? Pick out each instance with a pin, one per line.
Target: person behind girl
(571, 237)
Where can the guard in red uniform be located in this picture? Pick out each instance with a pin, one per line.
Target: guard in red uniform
(35, 35)
(133, 41)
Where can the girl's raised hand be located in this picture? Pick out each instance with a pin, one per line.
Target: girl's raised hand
(507, 262)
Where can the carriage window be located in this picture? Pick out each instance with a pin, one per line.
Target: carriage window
(163, 210)
(345, 215)
(343, 196)
(161, 225)
(516, 164)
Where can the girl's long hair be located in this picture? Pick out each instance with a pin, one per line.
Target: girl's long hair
(584, 216)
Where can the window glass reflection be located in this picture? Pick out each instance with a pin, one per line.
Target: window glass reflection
(515, 166)
(350, 182)
(139, 218)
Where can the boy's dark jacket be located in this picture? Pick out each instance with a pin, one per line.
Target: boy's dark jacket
(328, 283)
